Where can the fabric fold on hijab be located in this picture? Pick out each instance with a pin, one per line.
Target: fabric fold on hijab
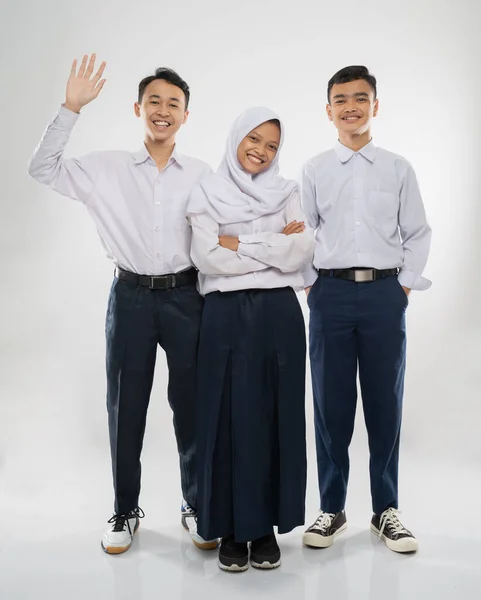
(232, 195)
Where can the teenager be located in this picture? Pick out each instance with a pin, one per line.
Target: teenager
(372, 244)
(249, 243)
(138, 203)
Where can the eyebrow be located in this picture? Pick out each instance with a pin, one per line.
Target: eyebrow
(357, 94)
(157, 96)
(254, 132)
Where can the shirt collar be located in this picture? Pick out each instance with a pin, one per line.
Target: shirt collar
(143, 155)
(344, 153)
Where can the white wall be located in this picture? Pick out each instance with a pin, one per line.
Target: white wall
(54, 278)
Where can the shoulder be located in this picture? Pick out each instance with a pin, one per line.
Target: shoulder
(319, 160)
(400, 163)
(195, 165)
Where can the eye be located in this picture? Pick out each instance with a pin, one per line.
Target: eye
(273, 148)
(174, 105)
(153, 102)
(338, 101)
(362, 99)
(253, 138)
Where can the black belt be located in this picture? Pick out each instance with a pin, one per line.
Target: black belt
(158, 282)
(359, 275)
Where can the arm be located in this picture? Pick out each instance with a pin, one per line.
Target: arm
(309, 206)
(73, 177)
(287, 253)
(415, 233)
(210, 258)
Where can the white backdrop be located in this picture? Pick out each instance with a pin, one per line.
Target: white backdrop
(54, 457)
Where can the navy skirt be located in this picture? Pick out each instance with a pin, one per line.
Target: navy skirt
(251, 442)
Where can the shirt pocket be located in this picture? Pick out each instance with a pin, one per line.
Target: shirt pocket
(383, 210)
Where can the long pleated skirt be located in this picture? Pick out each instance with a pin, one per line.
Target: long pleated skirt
(251, 444)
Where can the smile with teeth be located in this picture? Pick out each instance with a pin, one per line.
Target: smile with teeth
(161, 124)
(253, 159)
(351, 118)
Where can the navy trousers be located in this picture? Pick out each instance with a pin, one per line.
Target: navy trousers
(139, 319)
(355, 324)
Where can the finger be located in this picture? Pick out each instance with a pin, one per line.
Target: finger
(91, 66)
(83, 64)
(98, 87)
(290, 228)
(99, 73)
(73, 70)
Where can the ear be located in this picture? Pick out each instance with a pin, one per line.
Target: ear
(186, 116)
(329, 112)
(137, 109)
(376, 108)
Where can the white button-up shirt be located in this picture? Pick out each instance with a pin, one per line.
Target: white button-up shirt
(266, 258)
(367, 210)
(140, 213)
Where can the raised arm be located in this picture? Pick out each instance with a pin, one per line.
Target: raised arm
(73, 177)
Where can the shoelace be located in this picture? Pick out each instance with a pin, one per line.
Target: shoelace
(323, 521)
(120, 520)
(190, 512)
(390, 519)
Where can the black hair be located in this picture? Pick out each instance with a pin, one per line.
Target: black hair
(352, 73)
(167, 75)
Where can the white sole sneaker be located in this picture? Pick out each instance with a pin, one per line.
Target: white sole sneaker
(266, 565)
(115, 549)
(200, 542)
(403, 545)
(233, 568)
(315, 540)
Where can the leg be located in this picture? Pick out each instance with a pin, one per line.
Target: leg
(131, 340)
(382, 361)
(332, 348)
(180, 311)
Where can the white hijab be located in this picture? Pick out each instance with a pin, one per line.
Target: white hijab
(231, 195)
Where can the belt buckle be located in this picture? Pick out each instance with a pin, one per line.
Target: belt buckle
(364, 276)
(172, 279)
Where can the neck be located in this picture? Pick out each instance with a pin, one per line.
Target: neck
(160, 151)
(355, 141)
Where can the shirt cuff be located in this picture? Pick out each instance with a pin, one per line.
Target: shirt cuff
(309, 274)
(66, 118)
(410, 280)
(246, 249)
(266, 237)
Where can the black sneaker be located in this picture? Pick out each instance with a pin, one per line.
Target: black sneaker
(265, 552)
(325, 529)
(233, 556)
(390, 529)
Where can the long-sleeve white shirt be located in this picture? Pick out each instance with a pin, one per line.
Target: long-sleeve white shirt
(140, 213)
(367, 211)
(266, 258)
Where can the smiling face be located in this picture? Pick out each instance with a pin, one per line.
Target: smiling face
(162, 110)
(352, 106)
(259, 147)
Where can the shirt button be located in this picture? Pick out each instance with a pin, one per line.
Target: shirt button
(157, 255)
(358, 249)
(158, 203)
(157, 229)
(358, 223)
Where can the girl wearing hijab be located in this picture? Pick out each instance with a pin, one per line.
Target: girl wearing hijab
(249, 243)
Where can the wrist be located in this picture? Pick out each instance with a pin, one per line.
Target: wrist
(75, 108)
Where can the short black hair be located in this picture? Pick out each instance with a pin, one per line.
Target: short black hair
(167, 75)
(352, 73)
